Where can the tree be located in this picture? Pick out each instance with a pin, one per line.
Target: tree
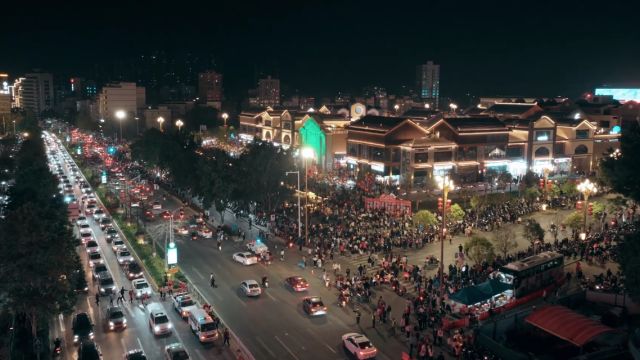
(504, 240)
(479, 249)
(569, 189)
(533, 231)
(504, 178)
(574, 221)
(466, 195)
(623, 170)
(529, 179)
(425, 218)
(456, 213)
(477, 204)
(629, 260)
(219, 182)
(531, 194)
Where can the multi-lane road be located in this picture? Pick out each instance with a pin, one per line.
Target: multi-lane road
(137, 335)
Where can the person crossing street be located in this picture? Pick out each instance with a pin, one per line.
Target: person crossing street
(212, 281)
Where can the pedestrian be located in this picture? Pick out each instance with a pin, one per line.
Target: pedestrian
(413, 341)
(161, 294)
(460, 248)
(225, 335)
(212, 281)
(97, 299)
(358, 317)
(373, 319)
(282, 255)
(111, 299)
(348, 271)
(131, 296)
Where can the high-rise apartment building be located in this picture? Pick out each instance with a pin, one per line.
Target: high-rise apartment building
(5, 95)
(269, 92)
(428, 83)
(37, 93)
(120, 96)
(210, 86)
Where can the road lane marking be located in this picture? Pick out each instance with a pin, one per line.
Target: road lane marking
(198, 273)
(124, 346)
(286, 348)
(266, 347)
(271, 296)
(329, 347)
(140, 343)
(199, 353)
(61, 320)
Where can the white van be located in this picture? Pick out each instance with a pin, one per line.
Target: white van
(202, 325)
(159, 322)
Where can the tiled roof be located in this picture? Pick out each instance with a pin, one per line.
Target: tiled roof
(379, 122)
(475, 123)
(419, 112)
(509, 108)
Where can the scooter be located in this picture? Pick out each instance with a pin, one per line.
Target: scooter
(57, 347)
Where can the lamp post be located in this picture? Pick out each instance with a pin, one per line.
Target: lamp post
(396, 107)
(453, 107)
(160, 122)
(137, 126)
(445, 184)
(225, 116)
(297, 172)
(179, 124)
(307, 153)
(545, 190)
(121, 115)
(587, 188)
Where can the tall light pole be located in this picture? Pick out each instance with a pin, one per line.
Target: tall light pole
(225, 116)
(121, 115)
(137, 126)
(587, 188)
(179, 124)
(160, 122)
(453, 107)
(307, 153)
(297, 172)
(445, 184)
(396, 107)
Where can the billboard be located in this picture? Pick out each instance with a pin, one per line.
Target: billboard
(621, 94)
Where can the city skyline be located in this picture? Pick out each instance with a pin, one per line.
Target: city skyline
(350, 47)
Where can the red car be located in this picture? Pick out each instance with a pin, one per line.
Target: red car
(148, 215)
(166, 215)
(297, 283)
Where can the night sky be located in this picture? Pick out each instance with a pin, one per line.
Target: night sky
(483, 47)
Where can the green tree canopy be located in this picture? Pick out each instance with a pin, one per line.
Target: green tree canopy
(533, 231)
(504, 240)
(456, 213)
(531, 194)
(425, 218)
(479, 249)
(574, 220)
(623, 171)
(629, 264)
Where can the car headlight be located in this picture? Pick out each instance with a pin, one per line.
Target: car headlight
(169, 325)
(91, 335)
(124, 321)
(102, 289)
(156, 328)
(75, 338)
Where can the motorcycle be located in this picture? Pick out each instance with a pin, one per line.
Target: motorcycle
(57, 347)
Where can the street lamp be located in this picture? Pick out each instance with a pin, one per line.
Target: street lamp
(427, 106)
(299, 222)
(587, 188)
(225, 116)
(179, 124)
(121, 115)
(546, 169)
(453, 107)
(396, 107)
(307, 153)
(160, 121)
(616, 154)
(445, 184)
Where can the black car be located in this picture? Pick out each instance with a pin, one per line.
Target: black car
(133, 270)
(105, 223)
(111, 234)
(89, 350)
(82, 327)
(136, 354)
(79, 281)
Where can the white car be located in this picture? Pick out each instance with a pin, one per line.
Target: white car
(257, 247)
(85, 228)
(95, 258)
(92, 246)
(158, 320)
(251, 288)
(182, 230)
(117, 244)
(156, 205)
(205, 232)
(82, 220)
(359, 345)
(141, 287)
(245, 258)
(124, 256)
(99, 214)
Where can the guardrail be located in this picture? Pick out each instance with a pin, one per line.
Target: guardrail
(242, 349)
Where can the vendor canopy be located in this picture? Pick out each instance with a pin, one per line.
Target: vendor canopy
(478, 293)
(469, 296)
(390, 204)
(567, 325)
